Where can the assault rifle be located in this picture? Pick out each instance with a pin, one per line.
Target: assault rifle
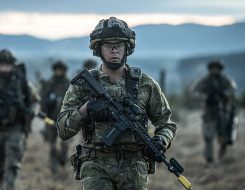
(125, 116)
(7, 100)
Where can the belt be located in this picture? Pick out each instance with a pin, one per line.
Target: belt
(121, 154)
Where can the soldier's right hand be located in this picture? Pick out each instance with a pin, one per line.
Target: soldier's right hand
(98, 110)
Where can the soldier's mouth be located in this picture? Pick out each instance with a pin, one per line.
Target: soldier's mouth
(113, 59)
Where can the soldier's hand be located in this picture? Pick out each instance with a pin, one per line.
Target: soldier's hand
(98, 110)
(161, 146)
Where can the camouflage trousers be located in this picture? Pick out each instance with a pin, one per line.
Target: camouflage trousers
(210, 133)
(12, 148)
(113, 174)
(58, 155)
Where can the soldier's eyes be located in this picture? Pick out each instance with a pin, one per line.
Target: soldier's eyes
(119, 45)
(110, 46)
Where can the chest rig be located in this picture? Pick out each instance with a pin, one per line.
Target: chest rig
(133, 74)
(53, 96)
(15, 89)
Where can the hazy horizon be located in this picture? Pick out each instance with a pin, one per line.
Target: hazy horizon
(58, 19)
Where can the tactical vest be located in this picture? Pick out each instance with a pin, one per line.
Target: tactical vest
(216, 86)
(94, 132)
(15, 89)
(53, 96)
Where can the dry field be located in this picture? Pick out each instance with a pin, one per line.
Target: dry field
(227, 174)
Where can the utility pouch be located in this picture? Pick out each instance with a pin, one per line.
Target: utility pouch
(88, 130)
(76, 161)
(151, 167)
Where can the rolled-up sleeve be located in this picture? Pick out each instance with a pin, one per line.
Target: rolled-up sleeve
(160, 115)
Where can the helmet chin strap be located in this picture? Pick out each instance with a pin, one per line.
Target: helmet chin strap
(115, 66)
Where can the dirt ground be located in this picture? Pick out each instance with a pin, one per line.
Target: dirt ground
(227, 174)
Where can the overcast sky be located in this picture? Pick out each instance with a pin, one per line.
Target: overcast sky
(54, 19)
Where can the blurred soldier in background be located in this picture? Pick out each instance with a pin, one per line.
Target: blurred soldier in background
(125, 164)
(52, 93)
(89, 64)
(19, 103)
(219, 118)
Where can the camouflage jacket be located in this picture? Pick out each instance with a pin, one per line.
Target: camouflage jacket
(29, 99)
(52, 94)
(215, 84)
(150, 99)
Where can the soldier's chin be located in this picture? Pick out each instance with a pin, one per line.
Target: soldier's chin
(114, 60)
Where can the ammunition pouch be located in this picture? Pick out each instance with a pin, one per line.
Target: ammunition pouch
(88, 130)
(10, 117)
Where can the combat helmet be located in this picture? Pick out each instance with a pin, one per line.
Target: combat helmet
(112, 29)
(7, 57)
(59, 64)
(215, 64)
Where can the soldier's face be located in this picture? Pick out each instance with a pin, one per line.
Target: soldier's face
(5, 68)
(113, 51)
(215, 70)
(59, 72)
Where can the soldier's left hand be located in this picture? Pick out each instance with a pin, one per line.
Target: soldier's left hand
(161, 145)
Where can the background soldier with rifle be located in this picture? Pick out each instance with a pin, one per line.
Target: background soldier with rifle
(87, 64)
(219, 118)
(19, 103)
(112, 111)
(52, 94)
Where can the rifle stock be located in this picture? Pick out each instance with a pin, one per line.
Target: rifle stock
(93, 85)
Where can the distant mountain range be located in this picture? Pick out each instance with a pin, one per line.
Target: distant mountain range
(179, 50)
(151, 40)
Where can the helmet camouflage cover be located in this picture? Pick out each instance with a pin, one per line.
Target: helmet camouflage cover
(112, 29)
(7, 57)
(215, 64)
(89, 63)
(59, 65)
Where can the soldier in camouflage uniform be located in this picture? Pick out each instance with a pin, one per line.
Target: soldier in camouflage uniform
(124, 165)
(89, 64)
(14, 123)
(52, 94)
(218, 93)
